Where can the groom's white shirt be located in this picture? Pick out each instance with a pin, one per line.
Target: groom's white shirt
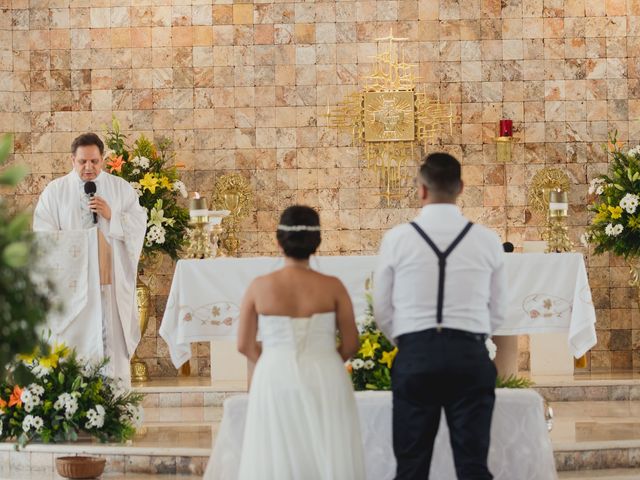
(406, 278)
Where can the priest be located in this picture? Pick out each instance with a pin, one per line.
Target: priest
(88, 197)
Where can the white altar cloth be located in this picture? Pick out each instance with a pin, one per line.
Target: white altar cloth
(547, 293)
(520, 444)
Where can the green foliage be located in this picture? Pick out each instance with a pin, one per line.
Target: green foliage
(23, 303)
(513, 381)
(50, 378)
(152, 172)
(615, 226)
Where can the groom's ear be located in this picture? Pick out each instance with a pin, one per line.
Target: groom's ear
(423, 191)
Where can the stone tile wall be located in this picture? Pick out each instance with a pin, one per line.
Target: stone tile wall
(243, 86)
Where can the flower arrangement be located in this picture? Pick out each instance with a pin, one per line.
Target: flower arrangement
(615, 226)
(370, 369)
(151, 171)
(24, 303)
(66, 395)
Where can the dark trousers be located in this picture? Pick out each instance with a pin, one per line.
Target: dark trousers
(434, 370)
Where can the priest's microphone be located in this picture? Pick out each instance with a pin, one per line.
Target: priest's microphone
(90, 189)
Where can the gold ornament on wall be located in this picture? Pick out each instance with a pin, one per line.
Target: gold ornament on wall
(548, 195)
(392, 117)
(232, 192)
(545, 180)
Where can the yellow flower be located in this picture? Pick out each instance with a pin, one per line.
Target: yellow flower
(387, 357)
(150, 182)
(369, 348)
(30, 357)
(602, 215)
(61, 350)
(616, 212)
(50, 361)
(164, 182)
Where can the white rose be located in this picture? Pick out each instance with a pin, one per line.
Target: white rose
(36, 389)
(595, 186)
(608, 230)
(584, 239)
(38, 423)
(629, 203)
(143, 162)
(491, 348)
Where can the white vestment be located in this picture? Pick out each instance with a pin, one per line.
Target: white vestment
(63, 206)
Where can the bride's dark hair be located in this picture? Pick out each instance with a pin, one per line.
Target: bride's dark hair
(299, 244)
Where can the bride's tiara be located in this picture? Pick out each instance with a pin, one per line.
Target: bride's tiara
(299, 228)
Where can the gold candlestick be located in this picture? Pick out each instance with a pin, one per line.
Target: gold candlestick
(231, 242)
(556, 232)
(199, 246)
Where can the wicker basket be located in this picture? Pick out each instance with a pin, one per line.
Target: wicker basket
(80, 467)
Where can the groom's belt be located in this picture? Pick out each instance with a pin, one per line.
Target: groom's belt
(448, 332)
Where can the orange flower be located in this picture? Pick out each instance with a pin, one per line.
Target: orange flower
(615, 146)
(115, 164)
(349, 368)
(15, 399)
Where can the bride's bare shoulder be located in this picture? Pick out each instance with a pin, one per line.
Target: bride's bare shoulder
(330, 280)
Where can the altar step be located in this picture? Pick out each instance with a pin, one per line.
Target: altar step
(201, 391)
(182, 417)
(611, 474)
(609, 386)
(106, 476)
(596, 435)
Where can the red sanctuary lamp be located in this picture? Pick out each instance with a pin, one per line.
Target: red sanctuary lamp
(504, 140)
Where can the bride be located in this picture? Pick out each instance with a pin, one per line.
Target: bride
(302, 421)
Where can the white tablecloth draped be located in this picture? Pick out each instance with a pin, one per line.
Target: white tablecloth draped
(520, 444)
(547, 293)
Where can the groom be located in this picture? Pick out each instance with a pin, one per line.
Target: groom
(439, 292)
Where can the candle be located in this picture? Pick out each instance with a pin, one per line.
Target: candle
(506, 128)
(198, 203)
(558, 203)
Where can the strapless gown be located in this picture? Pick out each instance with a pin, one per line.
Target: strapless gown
(302, 421)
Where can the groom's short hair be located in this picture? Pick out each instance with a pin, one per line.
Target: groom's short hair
(441, 174)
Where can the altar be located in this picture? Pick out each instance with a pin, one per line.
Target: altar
(547, 293)
(520, 445)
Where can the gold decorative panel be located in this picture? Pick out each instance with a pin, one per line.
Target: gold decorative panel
(391, 118)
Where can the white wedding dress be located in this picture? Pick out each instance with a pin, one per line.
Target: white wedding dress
(302, 421)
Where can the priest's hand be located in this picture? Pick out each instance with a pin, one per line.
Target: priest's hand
(100, 206)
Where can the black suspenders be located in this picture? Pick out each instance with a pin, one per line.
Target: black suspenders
(442, 262)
